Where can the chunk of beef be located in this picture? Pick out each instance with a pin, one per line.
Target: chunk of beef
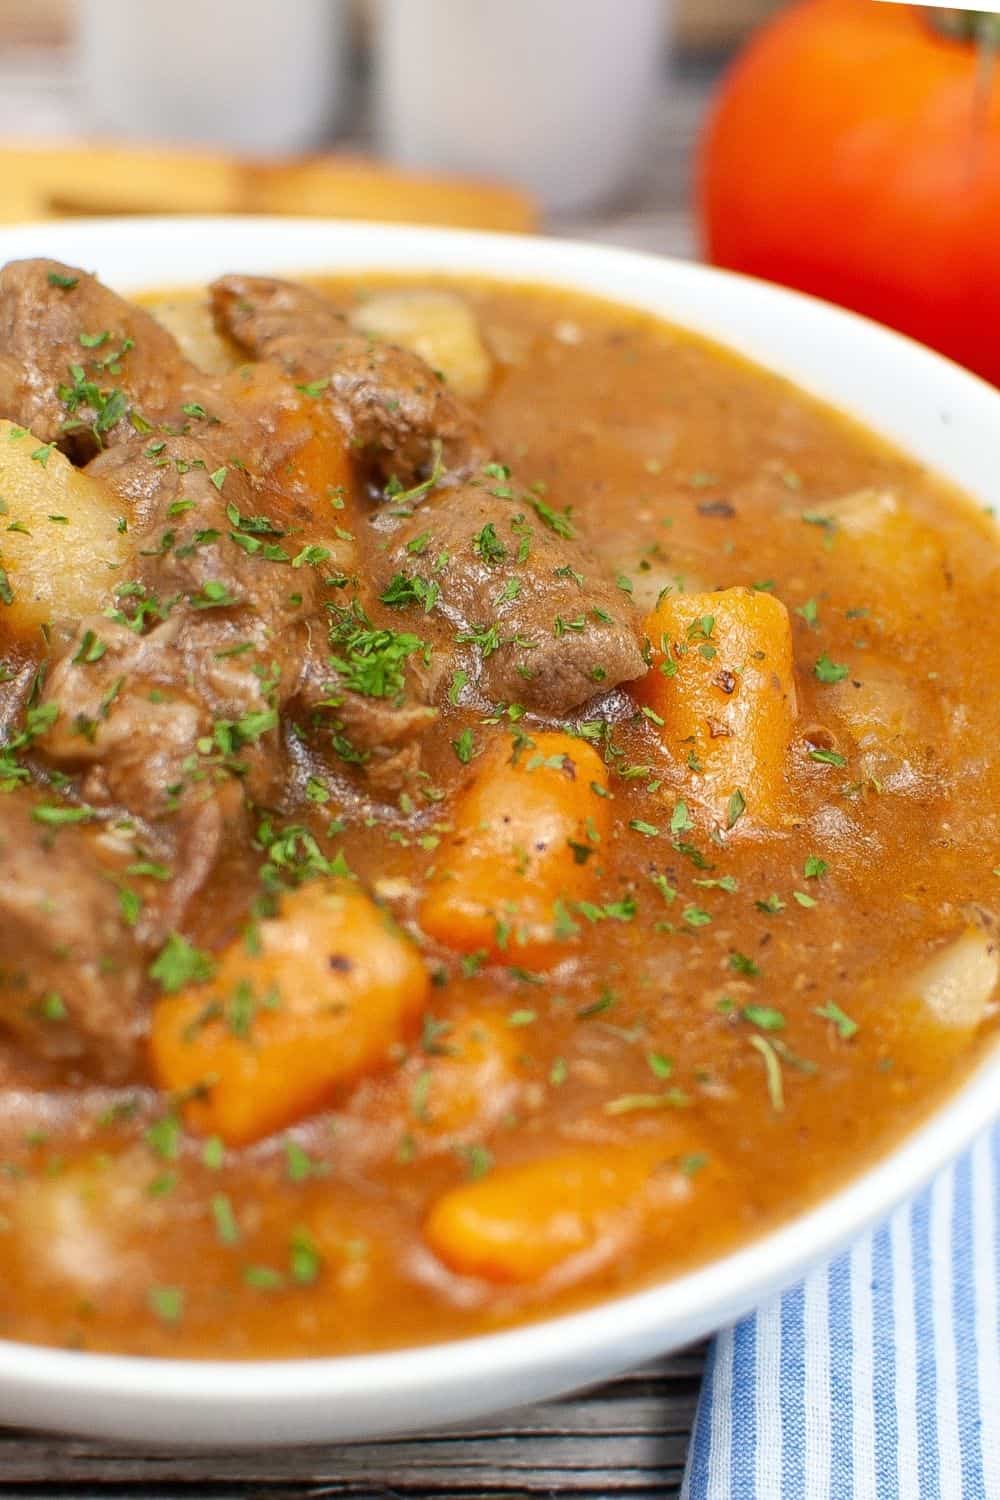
(127, 718)
(153, 712)
(549, 628)
(233, 583)
(390, 404)
(280, 601)
(71, 969)
(378, 731)
(77, 362)
(202, 525)
(543, 641)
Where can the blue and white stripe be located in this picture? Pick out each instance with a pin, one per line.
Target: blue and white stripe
(878, 1378)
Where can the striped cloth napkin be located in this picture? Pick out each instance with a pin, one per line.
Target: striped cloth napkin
(878, 1378)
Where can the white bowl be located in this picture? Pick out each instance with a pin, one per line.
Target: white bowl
(937, 412)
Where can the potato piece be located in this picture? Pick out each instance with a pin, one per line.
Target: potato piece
(722, 680)
(882, 548)
(190, 321)
(648, 584)
(899, 734)
(519, 1223)
(332, 988)
(512, 857)
(957, 984)
(440, 327)
(69, 555)
(79, 1231)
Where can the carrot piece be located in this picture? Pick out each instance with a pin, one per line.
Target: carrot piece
(722, 681)
(520, 1222)
(308, 453)
(328, 990)
(528, 830)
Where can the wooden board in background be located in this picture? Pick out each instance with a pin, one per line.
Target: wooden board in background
(47, 181)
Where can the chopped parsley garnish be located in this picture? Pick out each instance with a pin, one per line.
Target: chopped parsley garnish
(736, 808)
(830, 1011)
(370, 661)
(488, 546)
(179, 963)
(828, 757)
(167, 1302)
(765, 1017)
(226, 1227)
(556, 520)
(830, 671)
(464, 746)
(57, 814)
(772, 1072)
(403, 590)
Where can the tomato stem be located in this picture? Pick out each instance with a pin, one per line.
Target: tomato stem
(966, 25)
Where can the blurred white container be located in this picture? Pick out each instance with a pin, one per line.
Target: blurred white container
(251, 75)
(553, 95)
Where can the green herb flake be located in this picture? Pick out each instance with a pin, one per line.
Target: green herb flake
(304, 1260)
(736, 808)
(179, 963)
(166, 1302)
(659, 1065)
(772, 1072)
(629, 1104)
(830, 671)
(213, 1153)
(226, 1227)
(164, 1137)
(828, 757)
(464, 746)
(830, 1011)
(680, 818)
(771, 904)
(478, 1161)
(263, 1278)
(54, 815)
(765, 1017)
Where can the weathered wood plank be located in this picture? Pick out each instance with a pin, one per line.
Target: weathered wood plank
(628, 1438)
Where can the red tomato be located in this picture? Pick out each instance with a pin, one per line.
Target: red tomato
(854, 152)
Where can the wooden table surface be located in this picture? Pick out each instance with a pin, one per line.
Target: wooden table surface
(628, 1438)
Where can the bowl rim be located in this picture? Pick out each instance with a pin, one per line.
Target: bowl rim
(635, 1323)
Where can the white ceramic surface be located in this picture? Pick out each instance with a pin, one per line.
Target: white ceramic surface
(937, 411)
(554, 95)
(183, 70)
